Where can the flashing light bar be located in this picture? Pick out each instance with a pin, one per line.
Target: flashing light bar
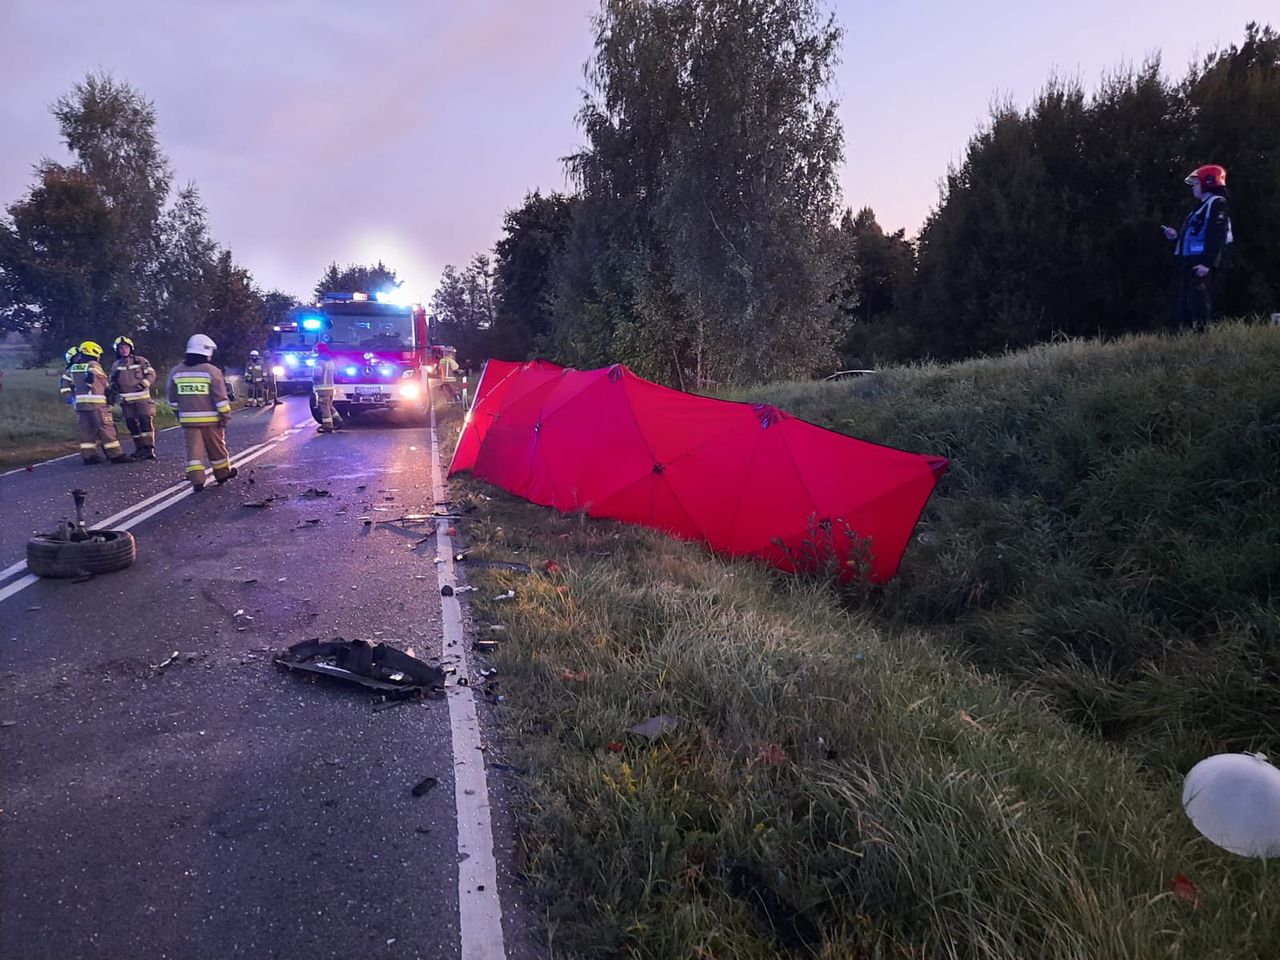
(312, 323)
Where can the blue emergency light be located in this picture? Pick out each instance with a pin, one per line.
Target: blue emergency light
(312, 323)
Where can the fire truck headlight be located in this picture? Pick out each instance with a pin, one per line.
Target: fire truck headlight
(277, 371)
(410, 391)
(311, 361)
(291, 359)
(386, 371)
(350, 371)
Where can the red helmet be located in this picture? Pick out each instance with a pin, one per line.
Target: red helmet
(1210, 176)
(322, 348)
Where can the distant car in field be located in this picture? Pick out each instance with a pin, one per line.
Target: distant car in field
(846, 375)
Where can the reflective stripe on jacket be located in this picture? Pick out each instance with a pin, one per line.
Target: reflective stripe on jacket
(322, 376)
(133, 376)
(87, 382)
(199, 393)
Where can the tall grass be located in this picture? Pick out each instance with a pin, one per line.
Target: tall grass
(36, 424)
(982, 760)
(1110, 528)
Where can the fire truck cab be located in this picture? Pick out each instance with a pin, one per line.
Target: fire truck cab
(380, 354)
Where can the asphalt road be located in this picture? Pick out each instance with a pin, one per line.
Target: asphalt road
(218, 807)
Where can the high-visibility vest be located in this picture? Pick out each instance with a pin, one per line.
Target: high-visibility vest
(1195, 229)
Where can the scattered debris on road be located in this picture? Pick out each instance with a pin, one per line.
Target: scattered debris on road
(509, 595)
(309, 522)
(314, 492)
(165, 662)
(379, 667)
(424, 787)
(263, 503)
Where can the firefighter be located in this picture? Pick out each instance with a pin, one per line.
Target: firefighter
(132, 376)
(322, 386)
(199, 392)
(255, 375)
(86, 382)
(1204, 235)
(68, 394)
(448, 368)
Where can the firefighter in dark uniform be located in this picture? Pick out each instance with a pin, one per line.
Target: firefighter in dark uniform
(1204, 235)
(255, 375)
(87, 382)
(132, 376)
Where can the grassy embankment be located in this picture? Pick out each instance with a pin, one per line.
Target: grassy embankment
(35, 424)
(983, 759)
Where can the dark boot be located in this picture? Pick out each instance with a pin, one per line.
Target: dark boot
(231, 475)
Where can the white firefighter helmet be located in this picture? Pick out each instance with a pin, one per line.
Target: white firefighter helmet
(254, 353)
(201, 345)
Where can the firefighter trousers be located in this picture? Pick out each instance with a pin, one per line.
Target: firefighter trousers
(1195, 300)
(139, 417)
(206, 442)
(97, 428)
(328, 419)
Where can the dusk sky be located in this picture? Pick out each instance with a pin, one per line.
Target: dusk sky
(321, 131)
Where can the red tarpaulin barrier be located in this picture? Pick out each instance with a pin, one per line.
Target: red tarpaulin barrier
(747, 479)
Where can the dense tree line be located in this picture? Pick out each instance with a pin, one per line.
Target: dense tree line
(702, 243)
(105, 246)
(1050, 224)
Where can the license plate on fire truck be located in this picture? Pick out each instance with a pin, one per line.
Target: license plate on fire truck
(369, 394)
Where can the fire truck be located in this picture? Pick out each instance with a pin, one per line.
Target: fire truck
(289, 349)
(380, 353)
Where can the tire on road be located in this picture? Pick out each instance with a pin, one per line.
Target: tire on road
(109, 551)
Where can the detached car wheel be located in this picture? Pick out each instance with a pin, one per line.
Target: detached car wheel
(105, 552)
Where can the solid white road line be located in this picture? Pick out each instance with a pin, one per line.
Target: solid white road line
(178, 492)
(479, 906)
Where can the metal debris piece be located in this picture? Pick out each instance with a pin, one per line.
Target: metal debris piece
(375, 666)
(509, 595)
(309, 522)
(165, 662)
(314, 492)
(655, 727)
(260, 504)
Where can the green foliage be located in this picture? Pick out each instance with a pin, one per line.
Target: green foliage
(873, 293)
(1107, 529)
(1050, 224)
(97, 249)
(235, 309)
(536, 232)
(706, 192)
(462, 310)
(59, 257)
(1235, 99)
(356, 278)
(835, 787)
